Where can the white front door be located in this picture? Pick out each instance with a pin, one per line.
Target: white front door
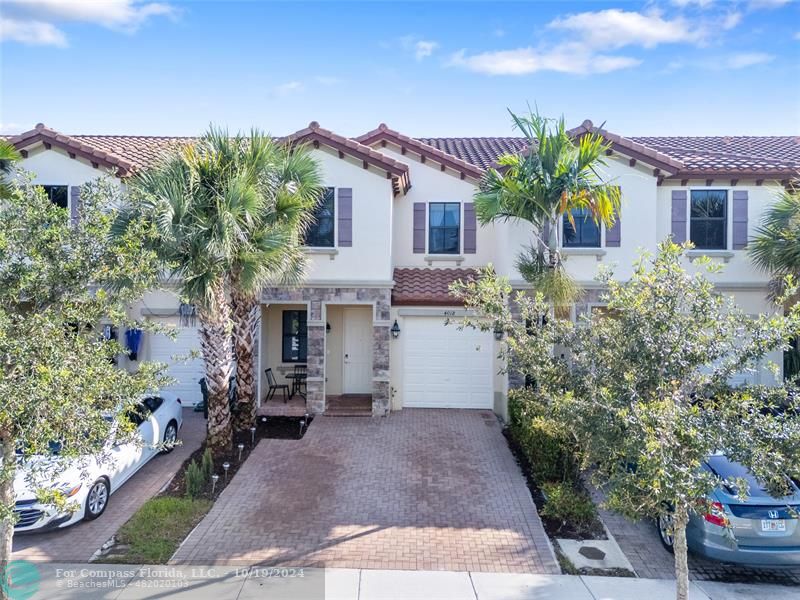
(357, 372)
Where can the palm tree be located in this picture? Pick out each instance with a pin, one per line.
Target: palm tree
(8, 156)
(556, 176)
(776, 250)
(192, 231)
(286, 187)
(776, 245)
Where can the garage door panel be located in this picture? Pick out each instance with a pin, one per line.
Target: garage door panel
(175, 352)
(446, 368)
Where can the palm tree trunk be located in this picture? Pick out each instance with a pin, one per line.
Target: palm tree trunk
(217, 345)
(245, 318)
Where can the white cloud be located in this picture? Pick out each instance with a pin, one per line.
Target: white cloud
(697, 3)
(748, 59)
(797, 36)
(564, 58)
(731, 20)
(290, 87)
(35, 21)
(424, 48)
(32, 33)
(756, 4)
(615, 28)
(327, 80)
(420, 48)
(10, 128)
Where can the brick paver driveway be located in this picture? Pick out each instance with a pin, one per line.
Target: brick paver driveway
(79, 542)
(421, 489)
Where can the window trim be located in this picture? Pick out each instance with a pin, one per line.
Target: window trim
(725, 220)
(460, 228)
(285, 334)
(601, 238)
(335, 228)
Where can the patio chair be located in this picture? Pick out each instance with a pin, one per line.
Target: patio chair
(300, 375)
(274, 387)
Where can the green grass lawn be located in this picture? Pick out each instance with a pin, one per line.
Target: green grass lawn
(158, 527)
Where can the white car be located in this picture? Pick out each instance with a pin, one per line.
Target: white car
(88, 483)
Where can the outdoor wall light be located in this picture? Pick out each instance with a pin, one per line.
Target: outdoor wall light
(327, 327)
(498, 332)
(395, 330)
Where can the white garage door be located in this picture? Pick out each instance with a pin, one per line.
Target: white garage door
(444, 367)
(186, 372)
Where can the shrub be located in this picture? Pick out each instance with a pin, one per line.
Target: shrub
(207, 464)
(195, 480)
(549, 448)
(567, 504)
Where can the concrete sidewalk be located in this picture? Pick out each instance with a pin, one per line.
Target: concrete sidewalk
(131, 582)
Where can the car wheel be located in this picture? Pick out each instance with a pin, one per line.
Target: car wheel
(666, 531)
(97, 499)
(170, 437)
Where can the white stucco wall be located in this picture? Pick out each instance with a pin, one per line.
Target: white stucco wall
(430, 184)
(370, 256)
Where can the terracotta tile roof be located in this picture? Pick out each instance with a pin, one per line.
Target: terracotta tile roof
(319, 135)
(141, 150)
(730, 154)
(767, 156)
(480, 151)
(427, 286)
(446, 159)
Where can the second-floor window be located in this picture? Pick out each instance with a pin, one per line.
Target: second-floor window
(295, 336)
(320, 233)
(444, 227)
(585, 233)
(58, 194)
(709, 219)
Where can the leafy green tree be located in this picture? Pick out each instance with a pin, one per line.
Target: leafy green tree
(645, 388)
(58, 282)
(556, 176)
(286, 186)
(776, 245)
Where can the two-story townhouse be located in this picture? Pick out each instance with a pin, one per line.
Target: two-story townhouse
(397, 226)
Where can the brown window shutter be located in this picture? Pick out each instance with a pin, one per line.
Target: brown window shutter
(419, 228)
(345, 217)
(74, 202)
(740, 201)
(679, 216)
(470, 229)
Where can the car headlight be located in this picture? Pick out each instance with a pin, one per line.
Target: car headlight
(68, 489)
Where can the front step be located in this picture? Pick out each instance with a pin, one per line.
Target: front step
(349, 406)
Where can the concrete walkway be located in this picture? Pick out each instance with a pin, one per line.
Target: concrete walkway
(128, 582)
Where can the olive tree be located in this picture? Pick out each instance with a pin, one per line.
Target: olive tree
(644, 386)
(59, 282)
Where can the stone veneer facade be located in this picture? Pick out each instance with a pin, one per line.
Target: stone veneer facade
(316, 298)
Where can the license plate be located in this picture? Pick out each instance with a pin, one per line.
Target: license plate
(773, 525)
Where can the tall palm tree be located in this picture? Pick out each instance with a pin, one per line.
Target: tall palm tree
(193, 229)
(556, 176)
(776, 250)
(8, 156)
(776, 245)
(286, 187)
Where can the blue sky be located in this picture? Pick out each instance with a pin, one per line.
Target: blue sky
(425, 68)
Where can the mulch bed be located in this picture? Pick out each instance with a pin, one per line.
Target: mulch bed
(282, 428)
(553, 527)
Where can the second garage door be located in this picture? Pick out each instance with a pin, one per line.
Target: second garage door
(444, 367)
